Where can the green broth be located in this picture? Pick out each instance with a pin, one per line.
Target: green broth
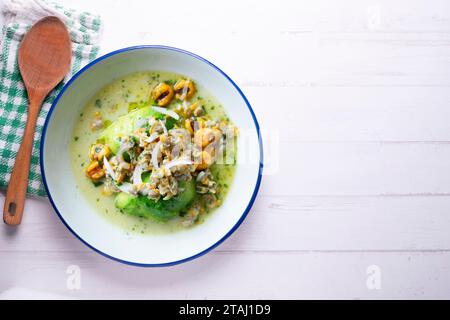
(111, 102)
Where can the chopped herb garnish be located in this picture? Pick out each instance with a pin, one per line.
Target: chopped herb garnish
(135, 105)
(170, 82)
(98, 103)
(135, 139)
(126, 156)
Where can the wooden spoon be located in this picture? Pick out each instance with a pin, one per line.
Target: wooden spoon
(44, 59)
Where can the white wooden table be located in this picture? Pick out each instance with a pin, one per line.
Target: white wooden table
(353, 98)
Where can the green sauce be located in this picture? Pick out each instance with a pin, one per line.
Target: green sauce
(109, 103)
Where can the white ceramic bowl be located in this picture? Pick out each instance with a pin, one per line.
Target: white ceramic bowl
(96, 231)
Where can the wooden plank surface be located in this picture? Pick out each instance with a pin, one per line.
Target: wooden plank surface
(234, 275)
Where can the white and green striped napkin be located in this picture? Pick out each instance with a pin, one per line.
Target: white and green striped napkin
(19, 15)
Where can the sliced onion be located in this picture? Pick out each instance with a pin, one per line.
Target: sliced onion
(167, 112)
(127, 188)
(125, 146)
(152, 137)
(155, 154)
(108, 168)
(178, 162)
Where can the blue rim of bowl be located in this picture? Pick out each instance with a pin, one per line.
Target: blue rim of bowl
(255, 191)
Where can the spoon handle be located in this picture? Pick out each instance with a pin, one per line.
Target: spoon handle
(17, 187)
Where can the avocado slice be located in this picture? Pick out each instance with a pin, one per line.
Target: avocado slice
(124, 126)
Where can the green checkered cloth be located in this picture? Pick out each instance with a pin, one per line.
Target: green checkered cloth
(84, 29)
